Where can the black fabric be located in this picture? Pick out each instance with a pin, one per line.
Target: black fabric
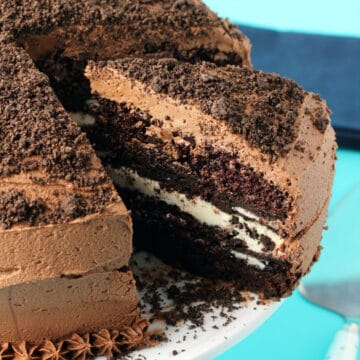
(328, 65)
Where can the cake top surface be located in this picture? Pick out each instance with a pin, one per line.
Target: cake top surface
(147, 26)
(48, 170)
(44, 15)
(262, 108)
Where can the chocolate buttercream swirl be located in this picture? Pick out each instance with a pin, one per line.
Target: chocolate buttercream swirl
(105, 342)
(131, 337)
(80, 346)
(53, 350)
(24, 351)
(5, 351)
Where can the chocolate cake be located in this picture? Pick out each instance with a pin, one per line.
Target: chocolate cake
(65, 285)
(57, 278)
(226, 170)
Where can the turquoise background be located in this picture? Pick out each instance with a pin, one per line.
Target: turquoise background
(314, 16)
(300, 330)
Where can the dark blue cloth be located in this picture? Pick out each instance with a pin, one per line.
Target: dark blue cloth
(328, 65)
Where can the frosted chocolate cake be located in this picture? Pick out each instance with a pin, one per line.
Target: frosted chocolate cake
(65, 286)
(57, 278)
(227, 171)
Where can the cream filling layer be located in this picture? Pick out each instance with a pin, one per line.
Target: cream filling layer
(251, 260)
(82, 119)
(203, 212)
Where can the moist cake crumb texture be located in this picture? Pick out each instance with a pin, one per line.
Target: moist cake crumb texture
(244, 171)
(121, 131)
(274, 101)
(206, 250)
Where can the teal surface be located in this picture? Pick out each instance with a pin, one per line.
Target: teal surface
(312, 16)
(300, 330)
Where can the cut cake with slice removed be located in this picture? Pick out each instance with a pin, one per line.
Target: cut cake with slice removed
(61, 221)
(227, 170)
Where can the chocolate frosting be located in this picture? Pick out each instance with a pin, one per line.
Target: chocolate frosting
(23, 351)
(105, 342)
(48, 170)
(111, 29)
(263, 108)
(53, 350)
(5, 351)
(273, 117)
(80, 346)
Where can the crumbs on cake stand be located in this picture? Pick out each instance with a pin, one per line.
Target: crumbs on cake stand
(172, 299)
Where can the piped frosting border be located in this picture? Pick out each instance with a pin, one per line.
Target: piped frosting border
(105, 342)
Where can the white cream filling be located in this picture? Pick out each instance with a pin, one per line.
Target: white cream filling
(202, 211)
(82, 119)
(251, 260)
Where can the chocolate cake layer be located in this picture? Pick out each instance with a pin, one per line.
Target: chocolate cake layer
(55, 308)
(120, 134)
(171, 127)
(214, 252)
(237, 151)
(262, 108)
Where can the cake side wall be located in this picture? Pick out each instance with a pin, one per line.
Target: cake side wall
(31, 254)
(316, 183)
(310, 164)
(55, 308)
(304, 251)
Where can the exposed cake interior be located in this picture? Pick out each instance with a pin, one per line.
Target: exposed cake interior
(215, 166)
(211, 149)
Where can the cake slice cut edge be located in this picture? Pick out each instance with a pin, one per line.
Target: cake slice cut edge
(223, 158)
